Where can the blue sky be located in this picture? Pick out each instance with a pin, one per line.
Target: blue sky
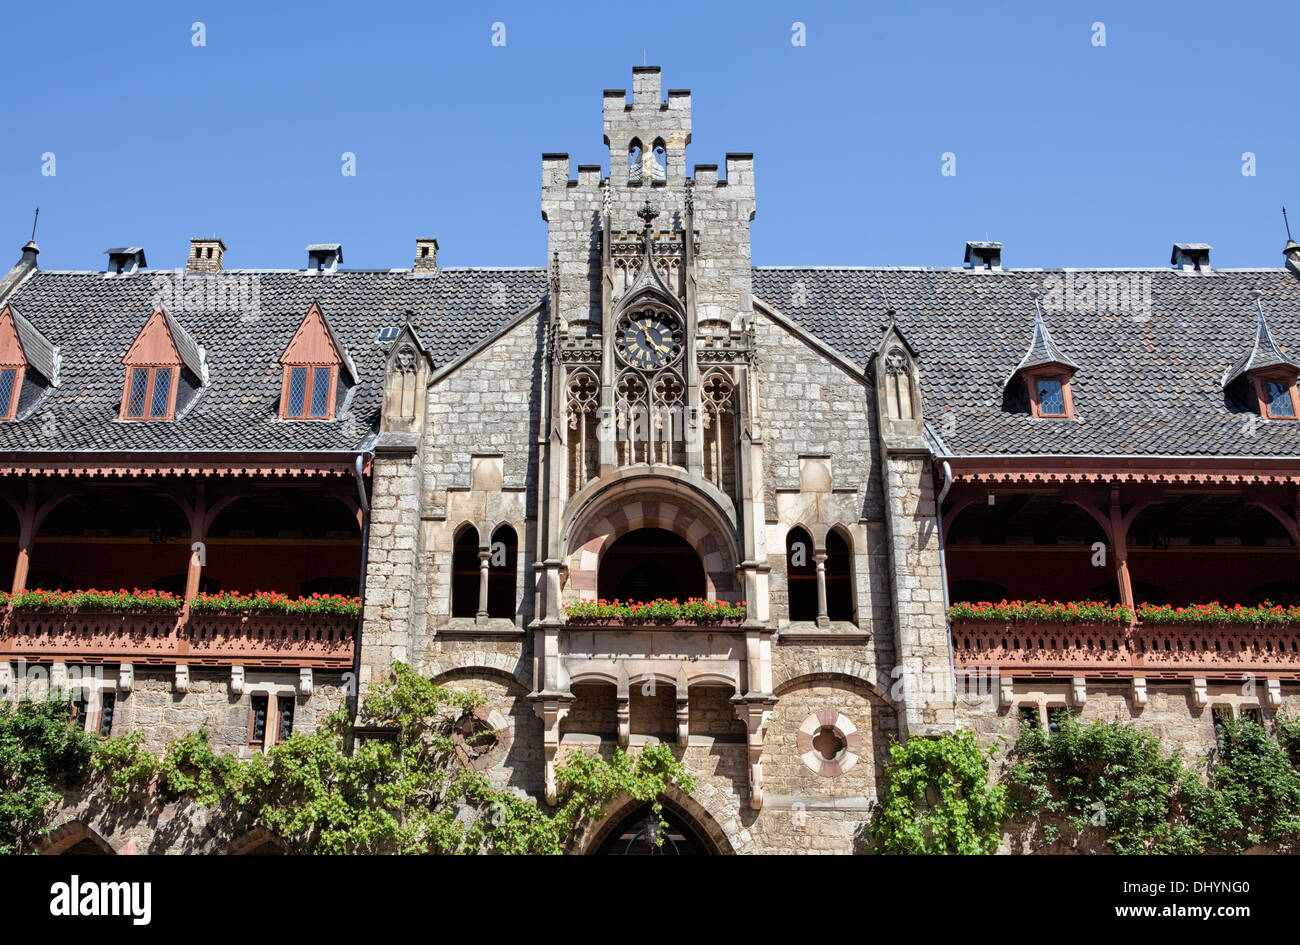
(1069, 153)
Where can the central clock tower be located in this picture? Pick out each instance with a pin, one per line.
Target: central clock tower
(651, 430)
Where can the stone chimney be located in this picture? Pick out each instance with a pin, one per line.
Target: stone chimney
(205, 256)
(324, 257)
(426, 254)
(125, 260)
(1292, 253)
(984, 255)
(1191, 257)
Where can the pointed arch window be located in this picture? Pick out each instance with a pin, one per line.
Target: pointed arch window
(503, 573)
(635, 161)
(839, 577)
(801, 575)
(465, 573)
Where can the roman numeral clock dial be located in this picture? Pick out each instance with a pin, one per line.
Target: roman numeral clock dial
(649, 340)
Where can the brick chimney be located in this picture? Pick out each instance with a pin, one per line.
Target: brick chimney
(426, 254)
(205, 256)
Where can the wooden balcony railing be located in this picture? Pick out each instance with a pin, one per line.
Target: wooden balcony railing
(1155, 651)
(322, 641)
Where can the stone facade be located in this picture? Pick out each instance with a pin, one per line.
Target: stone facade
(652, 403)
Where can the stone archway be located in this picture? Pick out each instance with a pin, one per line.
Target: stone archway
(649, 563)
(631, 503)
(624, 815)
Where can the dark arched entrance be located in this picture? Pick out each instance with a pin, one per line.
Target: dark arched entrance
(648, 563)
(636, 833)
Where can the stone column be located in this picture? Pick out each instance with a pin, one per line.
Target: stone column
(484, 561)
(819, 559)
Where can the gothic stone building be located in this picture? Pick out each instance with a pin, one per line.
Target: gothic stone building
(649, 415)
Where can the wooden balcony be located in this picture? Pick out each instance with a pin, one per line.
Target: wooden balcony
(321, 641)
(1152, 651)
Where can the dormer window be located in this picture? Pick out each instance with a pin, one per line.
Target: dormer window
(317, 371)
(11, 384)
(23, 347)
(164, 370)
(1049, 394)
(1267, 370)
(1046, 371)
(309, 392)
(150, 393)
(1277, 396)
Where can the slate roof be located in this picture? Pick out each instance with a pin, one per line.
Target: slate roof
(1264, 354)
(243, 319)
(1152, 347)
(1042, 349)
(38, 351)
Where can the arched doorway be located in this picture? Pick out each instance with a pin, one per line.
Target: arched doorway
(648, 563)
(637, 833)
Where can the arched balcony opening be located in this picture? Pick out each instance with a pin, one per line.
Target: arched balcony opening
(649, 563)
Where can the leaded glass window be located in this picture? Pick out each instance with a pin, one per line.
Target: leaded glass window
(8, 381)
(139, 390)
(162, 391)
(320, 392)
(1051, 397)
(297, 391)
(1279, 398)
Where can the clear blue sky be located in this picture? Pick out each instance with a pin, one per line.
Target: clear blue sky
(1071, 154)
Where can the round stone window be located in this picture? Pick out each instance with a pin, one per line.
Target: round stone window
(481, 737)
(829, 743)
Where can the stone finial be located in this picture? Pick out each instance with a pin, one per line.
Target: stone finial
(648, 214)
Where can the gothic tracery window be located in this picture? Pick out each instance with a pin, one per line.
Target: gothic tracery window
(898, 385)
(584, 447)
(718, 398)
(631, 416)
(668, 423)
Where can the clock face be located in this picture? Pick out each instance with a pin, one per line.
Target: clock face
(649, 340)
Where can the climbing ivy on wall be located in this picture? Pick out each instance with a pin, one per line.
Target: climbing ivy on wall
(938, 798)
(1108, 782)
(407, 793)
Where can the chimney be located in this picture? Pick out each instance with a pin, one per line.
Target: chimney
(205, 256)
(426, 254)
(1291, 251)
(324, 257)
(984, 255)
(125, 260)
(1192, 257)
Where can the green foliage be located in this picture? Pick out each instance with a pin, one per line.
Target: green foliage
(41, 756)
(695, 610)
(1288, 736)
(1255, 791)
(1113, 778)
(125, 764)
(938, 798)
(408, 793)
